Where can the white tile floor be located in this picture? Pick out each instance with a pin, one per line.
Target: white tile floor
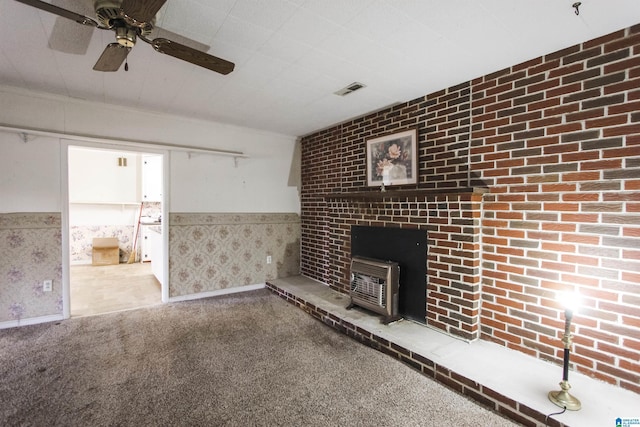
(110, 288)
(520, 377)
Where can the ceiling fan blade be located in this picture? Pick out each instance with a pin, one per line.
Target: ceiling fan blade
(112, 57)
(65, 35)
(74, 39)
(163, 33)
(48, 7)
(193, 56)
(141, 10)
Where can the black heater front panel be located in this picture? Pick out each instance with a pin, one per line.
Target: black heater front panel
(407, 247)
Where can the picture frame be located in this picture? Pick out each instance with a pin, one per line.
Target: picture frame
(392, 159)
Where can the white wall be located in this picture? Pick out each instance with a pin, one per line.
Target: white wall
(95, 176)
(218, 184)
(103, 214)
(29, 174)
(202, 183)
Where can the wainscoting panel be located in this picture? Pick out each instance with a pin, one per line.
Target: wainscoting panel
(210, 251)
(31, 248)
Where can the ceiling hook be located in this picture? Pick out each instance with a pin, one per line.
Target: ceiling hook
(576, 6)
(24, 137)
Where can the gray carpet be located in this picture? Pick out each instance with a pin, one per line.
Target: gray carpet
(240, 360)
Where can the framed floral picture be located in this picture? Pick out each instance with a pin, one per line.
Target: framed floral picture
(392, 159)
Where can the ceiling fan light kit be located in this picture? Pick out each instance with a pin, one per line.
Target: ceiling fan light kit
(125, 36)
(130, 20)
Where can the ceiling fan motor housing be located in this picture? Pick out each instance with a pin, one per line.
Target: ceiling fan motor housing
(110, 16)
(107, 11)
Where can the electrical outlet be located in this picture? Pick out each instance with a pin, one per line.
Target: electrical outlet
(47, 286)
(268, 259)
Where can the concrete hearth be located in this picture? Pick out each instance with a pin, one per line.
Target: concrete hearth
(505, 380)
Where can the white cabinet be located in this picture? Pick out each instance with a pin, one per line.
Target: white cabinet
(151, 178)
(151, 249)
(145, 243)
(157, 254)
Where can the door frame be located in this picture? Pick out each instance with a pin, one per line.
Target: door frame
(64, 170)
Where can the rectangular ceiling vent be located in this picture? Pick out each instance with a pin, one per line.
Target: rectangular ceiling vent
(349, 89)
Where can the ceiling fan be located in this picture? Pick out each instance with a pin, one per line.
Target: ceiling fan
(132, 20)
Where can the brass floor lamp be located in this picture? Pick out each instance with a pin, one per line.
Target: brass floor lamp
(562, 397)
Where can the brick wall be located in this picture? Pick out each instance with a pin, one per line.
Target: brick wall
(333, 164)
(556, 141)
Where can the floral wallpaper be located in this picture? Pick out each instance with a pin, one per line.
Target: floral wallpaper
(209, 251)
(81, 237)
(31, 247)
(81, 241)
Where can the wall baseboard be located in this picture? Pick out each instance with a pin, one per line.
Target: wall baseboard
(217, 292)
(58, 317)
(31, 321)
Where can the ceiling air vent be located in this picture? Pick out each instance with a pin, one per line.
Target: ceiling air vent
(351, 88)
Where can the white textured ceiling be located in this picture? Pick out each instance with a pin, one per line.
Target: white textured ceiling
(291, 55)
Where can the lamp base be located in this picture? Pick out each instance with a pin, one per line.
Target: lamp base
(563, 398)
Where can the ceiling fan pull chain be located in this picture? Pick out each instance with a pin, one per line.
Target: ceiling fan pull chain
(126, 65)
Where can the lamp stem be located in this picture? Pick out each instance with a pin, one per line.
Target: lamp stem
(563, 398)
(565, 365)
(566, 339)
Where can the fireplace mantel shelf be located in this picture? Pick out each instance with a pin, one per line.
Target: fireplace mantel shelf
(379, 195)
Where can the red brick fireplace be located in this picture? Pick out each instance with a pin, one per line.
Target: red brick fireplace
(451, 222)
(529, 185)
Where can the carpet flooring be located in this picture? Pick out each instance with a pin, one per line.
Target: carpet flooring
(246, 359)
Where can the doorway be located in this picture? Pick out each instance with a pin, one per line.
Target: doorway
(114, 194)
